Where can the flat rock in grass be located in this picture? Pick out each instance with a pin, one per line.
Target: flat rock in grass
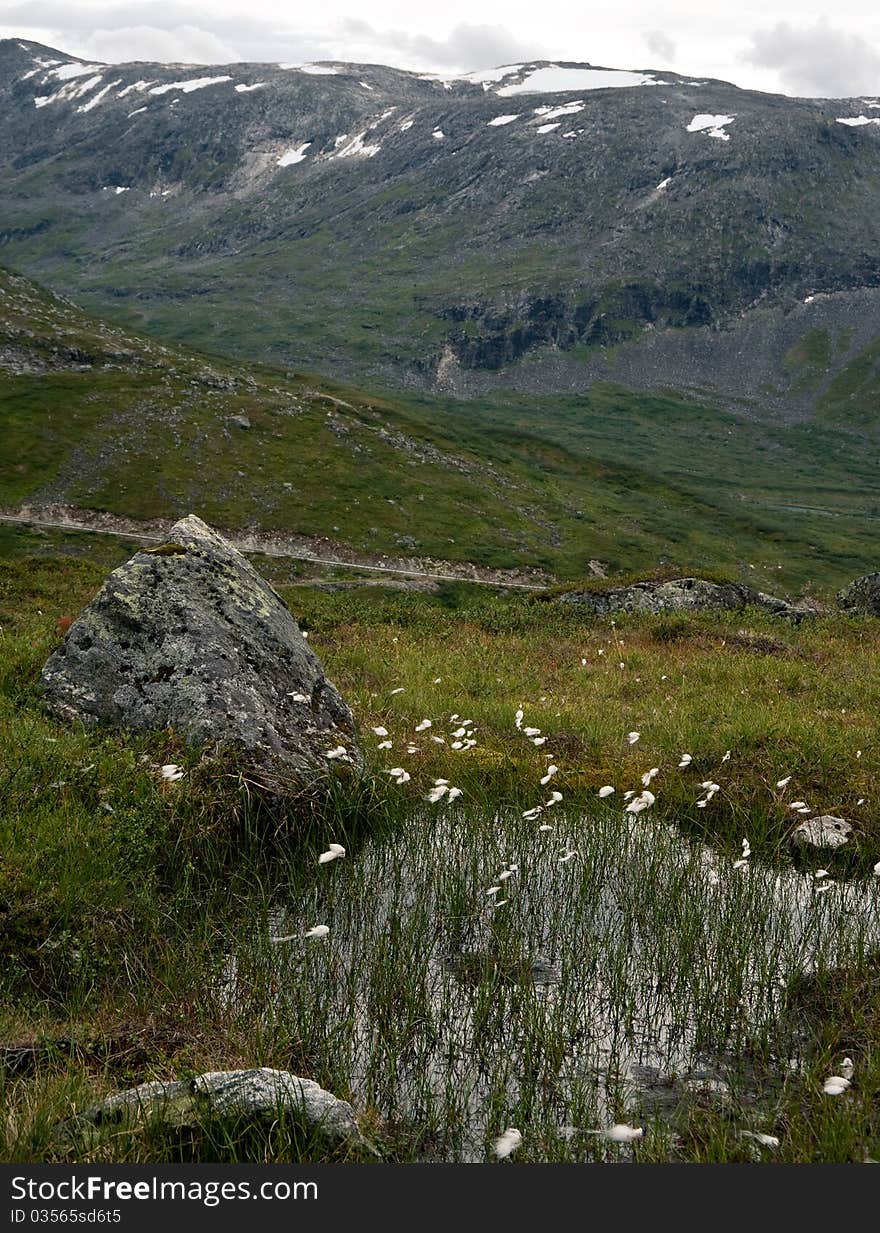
(824, 832)
(188, 636)
(260, 1095)
(683, 595)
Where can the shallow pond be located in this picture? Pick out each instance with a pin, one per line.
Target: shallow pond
(606, 986)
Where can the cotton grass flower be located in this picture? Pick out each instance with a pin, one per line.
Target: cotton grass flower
(620, 1132)
(632, 737)
(423, 726)
(764, 1140)
(339, 752)
(171, 772)
(551, 771)
(638, 803)
(686, 760)
(333, 853)
(606, 791)
(783, 783)
(381, 731)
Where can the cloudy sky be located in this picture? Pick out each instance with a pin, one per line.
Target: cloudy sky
(778, 45)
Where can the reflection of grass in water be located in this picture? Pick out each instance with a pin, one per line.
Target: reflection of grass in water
(423, 1005)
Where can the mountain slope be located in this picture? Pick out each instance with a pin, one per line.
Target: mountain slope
(99, 418)
(540, 227)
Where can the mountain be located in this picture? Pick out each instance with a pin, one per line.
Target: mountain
(110, 424)
(540, 228)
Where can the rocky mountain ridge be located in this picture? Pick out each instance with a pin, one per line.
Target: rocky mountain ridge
(540, 226)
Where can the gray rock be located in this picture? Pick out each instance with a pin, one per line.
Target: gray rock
(826, 831)
(260, 1095)
(682, 595)
(861, 597)
(239, 421)
(189, 636)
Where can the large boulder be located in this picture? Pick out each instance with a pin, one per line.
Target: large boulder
(188, 636)
(682, 595)
(861, 597)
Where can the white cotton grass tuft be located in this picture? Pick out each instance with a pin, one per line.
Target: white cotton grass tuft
(783, 783)
(551, 771)
(339, 752)
(686, 760)
(171, 772)
(649, 775)
(606, 791)
(423, 726)
(620, 1132)
(507, 1142)
(836, 1085)
(764, 1140)
(333, 853)
(643, 801)
(380, 731)
(632, 737)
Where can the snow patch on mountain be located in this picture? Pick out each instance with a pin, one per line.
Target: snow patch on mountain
(553, 80)
(567, 109)
(187, 87)
(96, 98)
(356, 146)
(499, 120)
(712, 126)
(295, 154)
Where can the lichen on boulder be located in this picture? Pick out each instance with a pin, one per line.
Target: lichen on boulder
(861, 597)
(188, 636)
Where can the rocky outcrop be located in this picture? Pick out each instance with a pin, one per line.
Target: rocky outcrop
(188, 636)
(259, 1095)
(861, 597)
(683, 595)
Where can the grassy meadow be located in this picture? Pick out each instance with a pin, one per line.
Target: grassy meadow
(501, 959)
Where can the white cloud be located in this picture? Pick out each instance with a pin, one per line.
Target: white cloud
(818, 60)
(660, 44)
(179, 45)
(466, 47)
